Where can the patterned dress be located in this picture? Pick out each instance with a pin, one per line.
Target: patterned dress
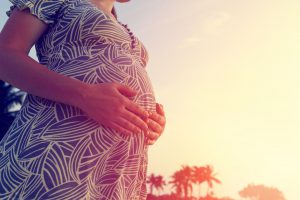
(56, 151)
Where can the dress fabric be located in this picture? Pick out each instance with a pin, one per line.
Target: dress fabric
(54, 150)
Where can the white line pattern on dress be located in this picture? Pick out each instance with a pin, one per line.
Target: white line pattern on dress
(54, 150)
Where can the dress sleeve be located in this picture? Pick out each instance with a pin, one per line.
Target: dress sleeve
(45, 10)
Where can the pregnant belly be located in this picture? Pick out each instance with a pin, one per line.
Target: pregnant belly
(118, 68)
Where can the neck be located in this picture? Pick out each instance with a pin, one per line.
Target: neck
(105, 5)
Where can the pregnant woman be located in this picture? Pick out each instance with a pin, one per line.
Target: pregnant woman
(90, 113)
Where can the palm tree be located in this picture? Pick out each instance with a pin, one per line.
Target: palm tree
(182, 181)
(209, 177)
(159, 183)
(198, 176)
(151, 180)
(187, 180)
(156, 182)
(9, 97)
(177, 182)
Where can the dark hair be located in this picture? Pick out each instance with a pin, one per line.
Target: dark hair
(114, 12)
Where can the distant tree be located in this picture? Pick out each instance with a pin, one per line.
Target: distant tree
(204, 174)
(182, 181)
(261, 192)
(177, 182)
(9, 97)
(209, 177)
(156, 182)
(187, 180)
(159, 183)
(151, 180)
(198, 176)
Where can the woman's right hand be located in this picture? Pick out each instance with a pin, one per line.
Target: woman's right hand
(107, 103)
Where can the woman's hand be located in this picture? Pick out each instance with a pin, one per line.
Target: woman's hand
(156, 123)
(107, 103)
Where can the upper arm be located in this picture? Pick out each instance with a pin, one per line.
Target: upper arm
(21, 31)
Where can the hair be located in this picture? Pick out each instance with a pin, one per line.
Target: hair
(114, 12)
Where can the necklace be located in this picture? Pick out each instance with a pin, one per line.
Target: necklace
(133, 41)
(112, 17)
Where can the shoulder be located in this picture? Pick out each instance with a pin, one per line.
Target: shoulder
(45, 10)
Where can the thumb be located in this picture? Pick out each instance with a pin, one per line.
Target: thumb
(126, 90)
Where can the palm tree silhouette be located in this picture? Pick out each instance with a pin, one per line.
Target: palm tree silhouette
(187, 180)
(209, 177)
(159, 183)
(198, 176)
(156, 182)
(9, 97)
(151, 180)
(177, 182)
(182, 181)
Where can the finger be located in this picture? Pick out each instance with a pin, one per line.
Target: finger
(157, 118)
(126, 90)
(120, 128)
(150, 142)
(154, 125)
(135, 108)
(135, 120)
(160, 109)
(128, 125)
(153, 135)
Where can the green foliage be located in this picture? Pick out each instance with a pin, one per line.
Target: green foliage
(9, 97)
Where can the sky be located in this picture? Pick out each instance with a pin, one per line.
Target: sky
(227, 73)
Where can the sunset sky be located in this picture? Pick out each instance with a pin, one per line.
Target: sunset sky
(227, 73)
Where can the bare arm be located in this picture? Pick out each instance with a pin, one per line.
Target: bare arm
(106, 103)
(19, 34)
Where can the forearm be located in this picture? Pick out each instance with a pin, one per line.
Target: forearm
(25, 73)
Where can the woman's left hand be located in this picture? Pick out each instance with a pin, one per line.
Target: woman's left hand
(156, 123)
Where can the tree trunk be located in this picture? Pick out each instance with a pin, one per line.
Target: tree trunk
(199, 190)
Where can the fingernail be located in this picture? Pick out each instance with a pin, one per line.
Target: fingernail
(150, 142)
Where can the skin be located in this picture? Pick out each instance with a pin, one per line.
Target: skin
(115, 111)
(156, 121)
